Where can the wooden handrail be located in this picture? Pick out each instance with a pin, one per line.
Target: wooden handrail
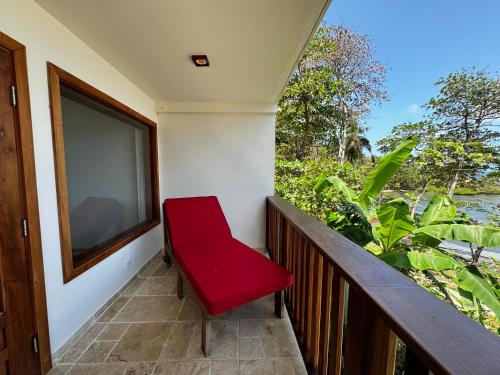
(381, 303)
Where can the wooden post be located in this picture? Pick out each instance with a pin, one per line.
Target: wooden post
(180, 285)
(337, 325)
(370, 344)
(279, 304)
(205, 334)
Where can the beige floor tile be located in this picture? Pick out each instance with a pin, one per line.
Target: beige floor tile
(251, 348)
(97, 352)
(133, 286)
(112, 310)
(149, 269)
(278, 339)
(140, 368)
(270, 366)
(298, 366)
(190, 310)
(262, 308)
(75, 351)
(224, 367)
(59, 369)
(142, 342)
(157, 258)
(161, 270)
(228, 315)
(183, 368)
(113, 331)
(224, 341)
(157, 286)
(98, 369)
(149, 309)
(184, 342)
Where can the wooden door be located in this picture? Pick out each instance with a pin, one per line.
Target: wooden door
(17, 349)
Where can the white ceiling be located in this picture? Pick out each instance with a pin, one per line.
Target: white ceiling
(252, 45)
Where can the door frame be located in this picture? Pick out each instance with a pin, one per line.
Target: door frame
(33, 242)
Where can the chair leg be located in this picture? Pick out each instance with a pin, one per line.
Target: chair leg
(279, 304)
(166, 257)
(205, 334)
(180, 286)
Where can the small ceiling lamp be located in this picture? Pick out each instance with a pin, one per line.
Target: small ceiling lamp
(200, 60)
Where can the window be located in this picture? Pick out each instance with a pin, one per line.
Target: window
(106, 171)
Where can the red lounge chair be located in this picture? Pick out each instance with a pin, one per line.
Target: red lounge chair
(222, 272)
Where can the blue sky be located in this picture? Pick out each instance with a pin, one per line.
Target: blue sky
(420, 41)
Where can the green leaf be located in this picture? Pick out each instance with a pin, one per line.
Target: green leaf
(472, 281)
(440, 209)
(476, 234)
(335, 182)
(386, 168)
(423, 239)
(435, 261)
(395, 222)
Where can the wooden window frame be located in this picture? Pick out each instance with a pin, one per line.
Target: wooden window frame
(56, 77)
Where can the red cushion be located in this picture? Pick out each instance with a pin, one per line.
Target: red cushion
(223, 272)
(191, 220)
(226, 273)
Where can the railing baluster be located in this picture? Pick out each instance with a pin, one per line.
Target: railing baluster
(337, 325)
(304, 278)
(370, 344)
(357, 332)
(298, 281)
(318, 266)
(326, 298)
(413, 365)
(383, 348)
(309, 300)
(294, 264)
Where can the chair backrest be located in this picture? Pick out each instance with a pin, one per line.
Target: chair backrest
(194, 220)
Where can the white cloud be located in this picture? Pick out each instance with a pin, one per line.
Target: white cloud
(413, 108)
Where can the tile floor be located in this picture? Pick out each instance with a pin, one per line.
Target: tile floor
(147, 330)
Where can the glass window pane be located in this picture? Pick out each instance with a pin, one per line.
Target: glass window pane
(108, 173)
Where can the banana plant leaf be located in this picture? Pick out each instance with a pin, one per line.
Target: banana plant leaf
(395, 223)
(423, 239)
(462, 298)
(324, 183)
(386, 168)
(471, 280)
(476, 234)
(439, 210)
(435, 261)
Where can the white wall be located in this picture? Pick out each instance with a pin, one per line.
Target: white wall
(223, 154)
(70, 305)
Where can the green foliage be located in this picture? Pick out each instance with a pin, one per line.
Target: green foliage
(327, 95)
(395, 223)
(388, 230)
(471, 280)
(386, 168)
(457, 142)
(480, 235)
(416, 260)
(295, 180)
(439, 210)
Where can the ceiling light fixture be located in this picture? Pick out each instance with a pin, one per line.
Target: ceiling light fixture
(200, 60)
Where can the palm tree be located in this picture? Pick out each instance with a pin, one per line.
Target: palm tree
(356, 141)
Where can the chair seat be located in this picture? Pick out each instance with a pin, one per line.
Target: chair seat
(226, 273)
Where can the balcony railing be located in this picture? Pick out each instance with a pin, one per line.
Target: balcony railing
(354, 329)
